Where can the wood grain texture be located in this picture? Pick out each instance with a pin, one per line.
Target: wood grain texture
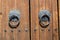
(37, 32)
(51, 32)
(8, 33)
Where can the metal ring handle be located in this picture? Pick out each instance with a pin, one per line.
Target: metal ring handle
(44, 18)
(14, 19)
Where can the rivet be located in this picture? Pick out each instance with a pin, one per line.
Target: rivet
(0, 13)
(11, 30)
(42, 29)
(48, 29)
(5, 31)
(56, 29)
(34, 30)
(19, 30)
(26, 30)
(13, 38)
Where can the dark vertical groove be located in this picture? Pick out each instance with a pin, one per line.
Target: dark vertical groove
(58, 16)
(30, 19)
(52, 17)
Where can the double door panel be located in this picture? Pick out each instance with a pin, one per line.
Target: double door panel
(29, 27)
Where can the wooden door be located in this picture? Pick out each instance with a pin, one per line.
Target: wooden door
(22, 31)
(30, 27)
(37, 31)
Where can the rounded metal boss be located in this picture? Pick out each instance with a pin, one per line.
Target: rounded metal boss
(14, 18)
(44, 18)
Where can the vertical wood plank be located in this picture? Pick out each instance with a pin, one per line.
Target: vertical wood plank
(34, 20)
(48, 31)
(42, 31)
(55, 20)
(3, 21)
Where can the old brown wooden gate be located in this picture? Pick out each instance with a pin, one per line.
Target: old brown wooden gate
(35, 20)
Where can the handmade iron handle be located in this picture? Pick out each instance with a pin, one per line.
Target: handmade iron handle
(44, 18)
(14, 19)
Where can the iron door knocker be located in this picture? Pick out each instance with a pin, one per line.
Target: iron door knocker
(14, 18)
(44, 18)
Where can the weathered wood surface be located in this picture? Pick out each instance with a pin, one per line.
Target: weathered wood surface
(7, 33)
(37, 32)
